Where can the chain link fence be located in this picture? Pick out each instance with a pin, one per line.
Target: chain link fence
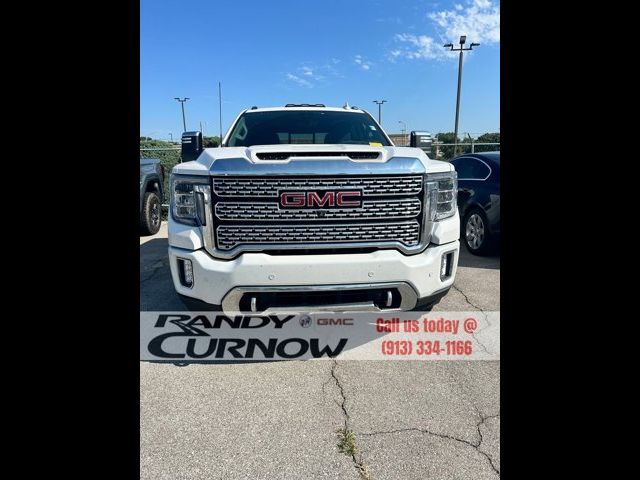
(445, 151)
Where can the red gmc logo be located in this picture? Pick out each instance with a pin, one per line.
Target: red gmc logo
(321, 199)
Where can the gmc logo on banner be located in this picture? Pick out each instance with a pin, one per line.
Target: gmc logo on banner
(320, 199)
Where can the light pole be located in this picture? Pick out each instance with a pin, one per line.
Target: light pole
(461, 49)
(404, 132)
(220, 108)
(171, 137)
(184, 122)
(379, 102)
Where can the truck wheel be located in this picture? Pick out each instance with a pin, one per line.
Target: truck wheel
(475, 232)
(150, 215)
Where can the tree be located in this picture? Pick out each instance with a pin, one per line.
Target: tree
(447, 137)
(210, 142)
(488, 138)
(169, 156)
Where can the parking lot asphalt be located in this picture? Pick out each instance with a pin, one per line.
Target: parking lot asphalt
(411, 419)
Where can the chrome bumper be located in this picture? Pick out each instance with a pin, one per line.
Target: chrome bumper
(409, 297)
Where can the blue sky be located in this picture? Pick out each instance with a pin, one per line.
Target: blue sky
(270, 53)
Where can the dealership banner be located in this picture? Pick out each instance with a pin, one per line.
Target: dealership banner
(189, 337)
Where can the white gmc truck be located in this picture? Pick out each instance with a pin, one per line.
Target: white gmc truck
(308, 208)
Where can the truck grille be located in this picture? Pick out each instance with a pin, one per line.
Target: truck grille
(247, 214)
(268, 187)
(407, 233)
(262, 211)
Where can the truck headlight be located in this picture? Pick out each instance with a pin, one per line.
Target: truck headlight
(442, 195)
(188, 196)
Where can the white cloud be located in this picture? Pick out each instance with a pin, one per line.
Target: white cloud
(364, 64)
(300, 81)
(423, 46)
(479, 20)
(309, 74)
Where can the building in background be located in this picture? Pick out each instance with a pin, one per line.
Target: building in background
(400, 139)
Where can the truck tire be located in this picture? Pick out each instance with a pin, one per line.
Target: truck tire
(475, 232)
(150, 215)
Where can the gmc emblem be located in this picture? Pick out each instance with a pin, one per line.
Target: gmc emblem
(320, 199)
(335, 321)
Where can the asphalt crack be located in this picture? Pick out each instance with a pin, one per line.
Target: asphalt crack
(342, 404)
(357, 462)
(483, 419)
(484, 314)
(466, 298)
(474, 445)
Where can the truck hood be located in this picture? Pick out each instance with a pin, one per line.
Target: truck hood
(219, 160)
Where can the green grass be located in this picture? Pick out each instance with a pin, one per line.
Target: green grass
(347, 442)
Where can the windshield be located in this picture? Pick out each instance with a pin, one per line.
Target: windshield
(306, 127)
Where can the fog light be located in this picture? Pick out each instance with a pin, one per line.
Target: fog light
(445, 265)
(186, 272)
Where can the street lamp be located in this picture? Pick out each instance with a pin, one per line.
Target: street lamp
(184, 122)
(220, 109)
(379, 102)
(404, 132)
(461, 49)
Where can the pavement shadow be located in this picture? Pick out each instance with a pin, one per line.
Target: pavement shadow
(466, 259)
(156, 287)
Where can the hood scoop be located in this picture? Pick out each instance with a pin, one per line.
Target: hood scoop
(286, 155)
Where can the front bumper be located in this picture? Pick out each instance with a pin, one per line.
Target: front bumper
(214, 279)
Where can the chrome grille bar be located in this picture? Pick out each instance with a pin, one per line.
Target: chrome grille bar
(268, 187)
(230, 236)
(264, 211)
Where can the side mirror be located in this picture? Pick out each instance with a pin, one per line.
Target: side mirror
(191, 146)
(421, 140)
